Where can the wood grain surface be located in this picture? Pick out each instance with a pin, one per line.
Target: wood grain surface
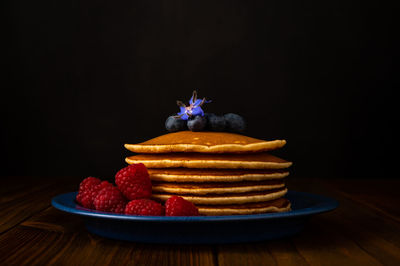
(364, 230)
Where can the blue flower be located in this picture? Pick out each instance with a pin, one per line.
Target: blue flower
(194, 108)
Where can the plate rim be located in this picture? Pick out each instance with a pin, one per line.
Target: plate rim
(325, 204)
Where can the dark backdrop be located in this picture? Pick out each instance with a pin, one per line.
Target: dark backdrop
(84, 77)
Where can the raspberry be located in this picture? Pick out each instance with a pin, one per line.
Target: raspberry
(134, 181)
(178, 206)
(110, 199)
(88, 190)
(120, 208)
(89, 183)
(144, 207)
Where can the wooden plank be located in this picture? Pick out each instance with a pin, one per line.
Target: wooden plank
(274, 252)
(28, 245)
(358, 215)
(321, 244)
(18, 187)
(379, 194)
(358, 232)
(51, 229)
(24, 245)
(54, 220)
(351, 235)
(244, 254)
(376, 245)
(150, 254)
(376, 234)
(70, 227)
(18, 193)
(317, 245)
(15, 208)
(285, 253)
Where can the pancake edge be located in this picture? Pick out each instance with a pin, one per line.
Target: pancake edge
(222, 148)
(231, 211)
(226, 200)
(219, 190)
(211, 178)
(221, 164)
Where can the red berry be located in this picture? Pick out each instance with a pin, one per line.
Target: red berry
(110, 199)
(134, 181)
(88, 190)
(144, 207)
(120, 208)
(89, 183)
(178, 206)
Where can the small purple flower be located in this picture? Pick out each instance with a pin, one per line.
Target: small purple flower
(194, 108)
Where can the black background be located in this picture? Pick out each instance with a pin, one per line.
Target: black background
(82, 78)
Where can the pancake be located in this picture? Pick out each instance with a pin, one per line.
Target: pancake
(204, 142)
(278, 205)
(198, 160)
(214, 175)
(232, 198)
(215, 187)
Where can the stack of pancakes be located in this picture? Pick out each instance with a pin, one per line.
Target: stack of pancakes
(221, 173)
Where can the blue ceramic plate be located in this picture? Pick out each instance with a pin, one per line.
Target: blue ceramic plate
(200, 229)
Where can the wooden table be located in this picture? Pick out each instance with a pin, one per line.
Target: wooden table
(364, 230)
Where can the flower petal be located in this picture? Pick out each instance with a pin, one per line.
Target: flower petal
(182, 110)
(198, 102)
(197, 111)
(185, 117)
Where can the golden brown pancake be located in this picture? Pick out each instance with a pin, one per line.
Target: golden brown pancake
(215, 187)
(204, 142)
(277, 205)
(222, 173)
(214, 175)
(223, 199)
(198, 160)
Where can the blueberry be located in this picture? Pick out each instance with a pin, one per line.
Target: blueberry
(198, 123)
(216, 122)
(173, 124)
(207, 117)
(235, 123)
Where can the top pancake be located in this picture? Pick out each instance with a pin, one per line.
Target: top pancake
(204, 142)
(220, 161)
